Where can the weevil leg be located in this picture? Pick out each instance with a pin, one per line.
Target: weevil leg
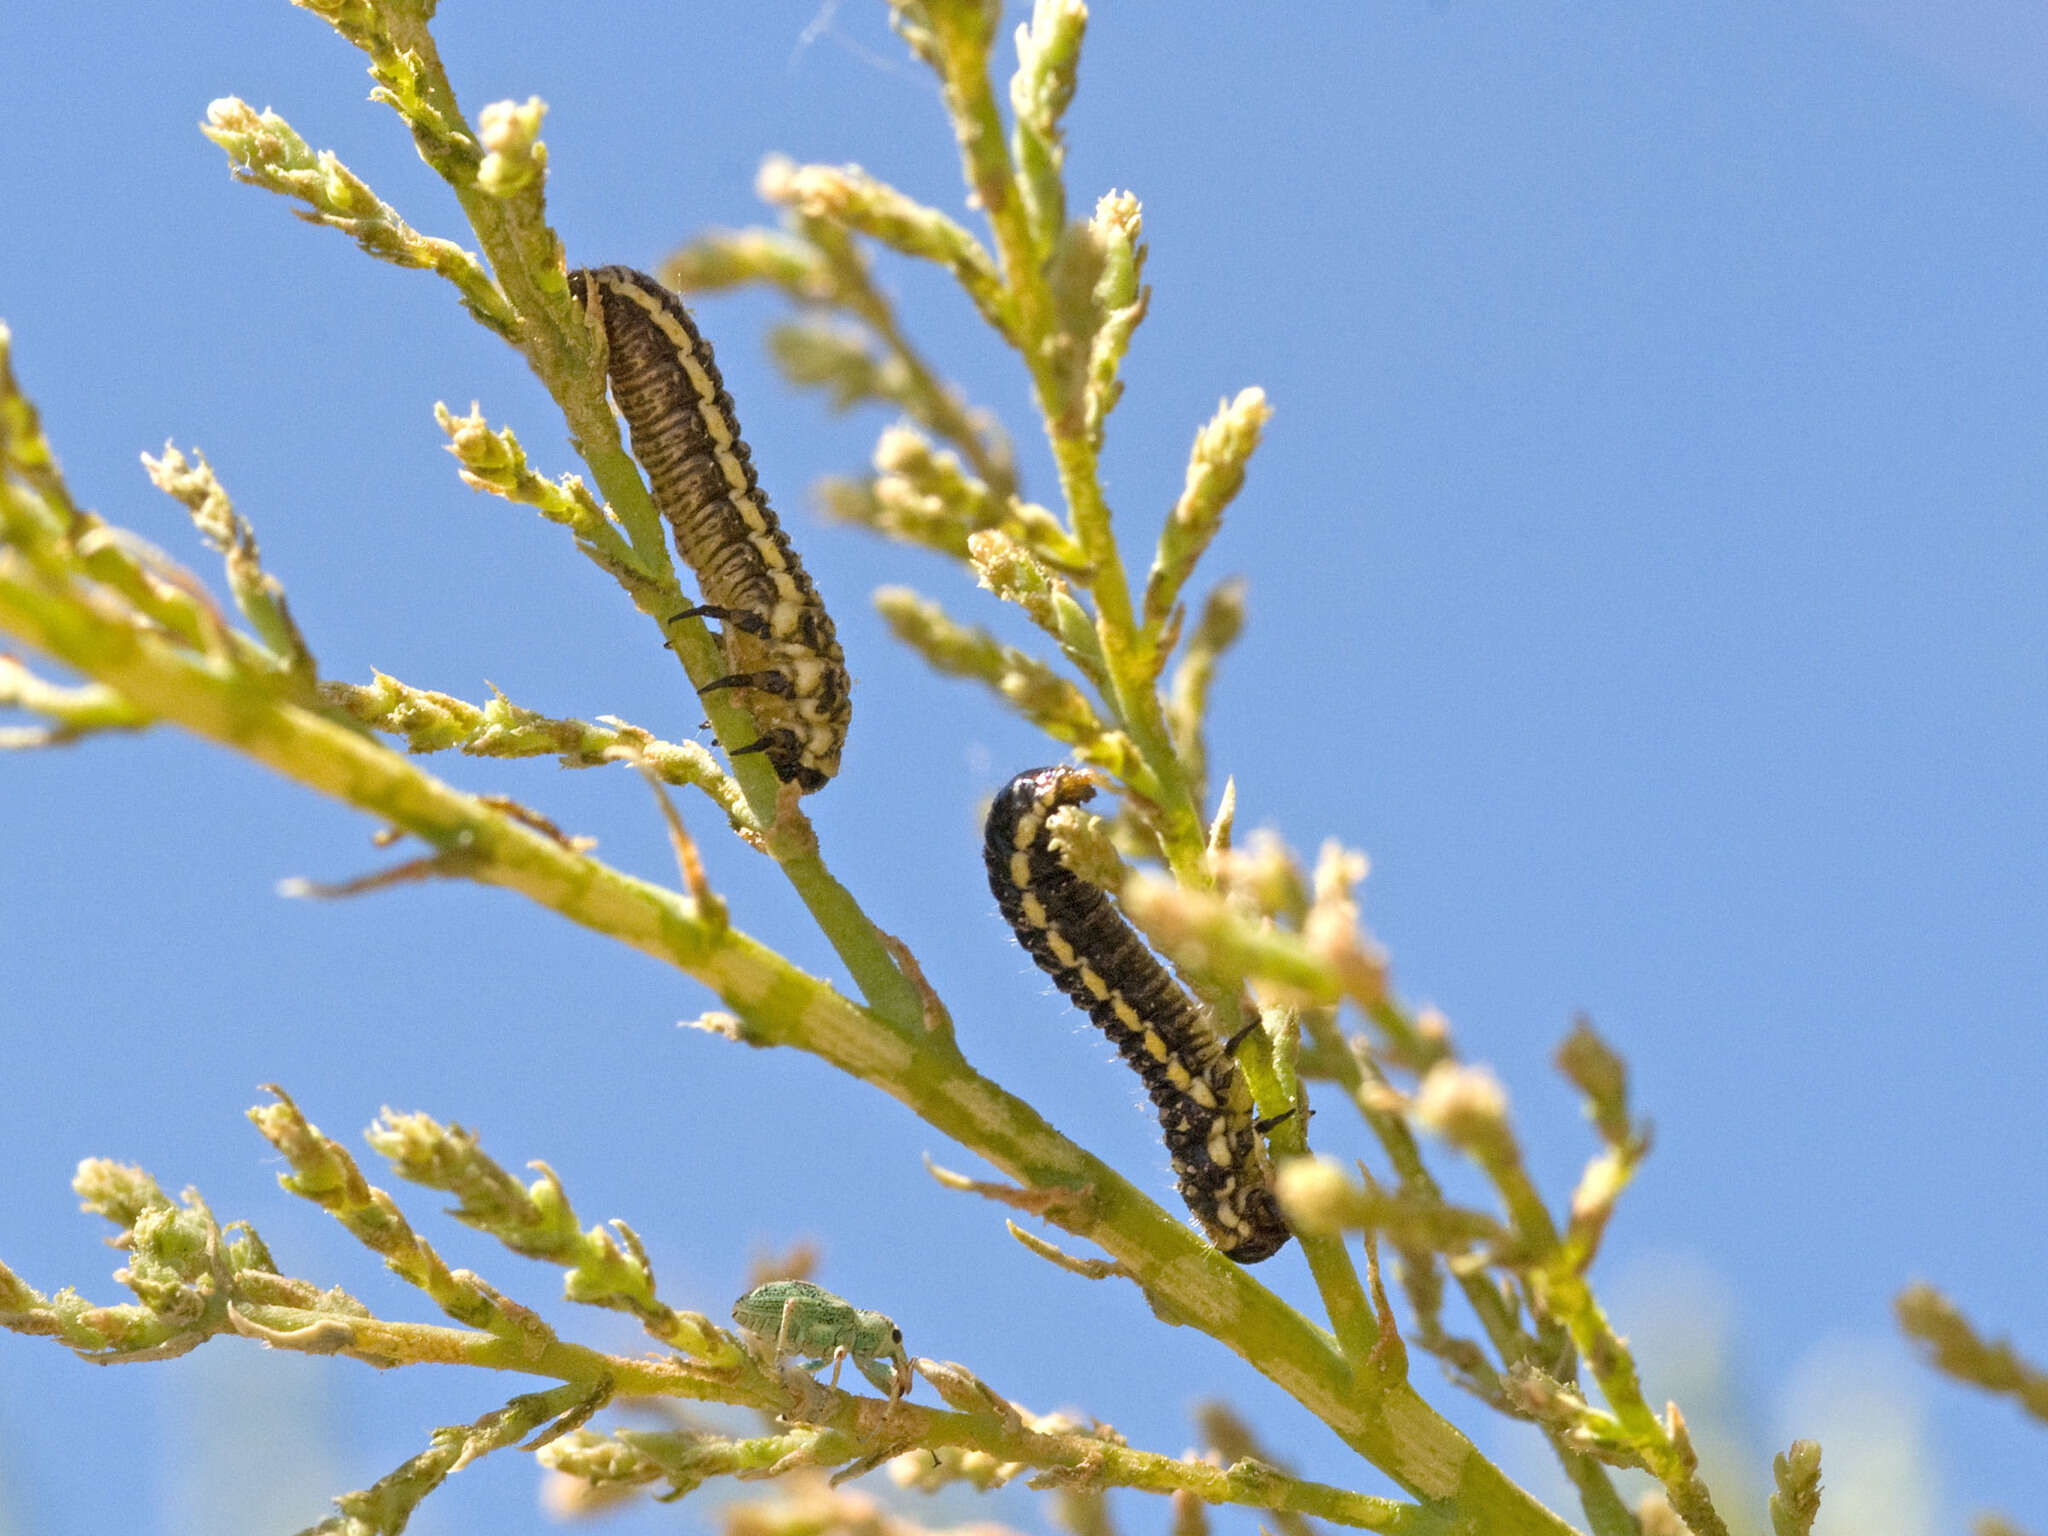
(782, 1335)
(884, 1378)
(838, 1359)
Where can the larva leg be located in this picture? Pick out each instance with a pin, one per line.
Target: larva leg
(766, 682)
(774, 741)
(737, 618)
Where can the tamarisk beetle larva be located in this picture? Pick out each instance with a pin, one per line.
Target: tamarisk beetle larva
(1092, 954)
(778, 639)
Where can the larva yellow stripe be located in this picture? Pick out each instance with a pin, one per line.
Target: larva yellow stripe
(1076, 937)
(780, 646)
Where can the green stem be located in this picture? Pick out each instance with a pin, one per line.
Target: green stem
(1351, 1317)
(855, 289)
(1562, 1293)
(1268, 1063)
(1387, 1423)
(853, 1428)
(1604, 1506)
(979, 129)
(436, 1343)
(525, 257)
(855, 939)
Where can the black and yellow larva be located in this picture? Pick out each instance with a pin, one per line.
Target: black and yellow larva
(778, 639)
(1091, 953)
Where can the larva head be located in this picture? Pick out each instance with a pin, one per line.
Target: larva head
(1022, 806)
(586, 291)
(587, 284)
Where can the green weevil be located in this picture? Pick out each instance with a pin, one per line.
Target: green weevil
(795, 1317)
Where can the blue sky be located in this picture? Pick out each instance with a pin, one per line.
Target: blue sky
(1646, 565)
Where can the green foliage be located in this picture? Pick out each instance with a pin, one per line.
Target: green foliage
(1797, 1501)
(1957, 1349)
(1123, 680)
